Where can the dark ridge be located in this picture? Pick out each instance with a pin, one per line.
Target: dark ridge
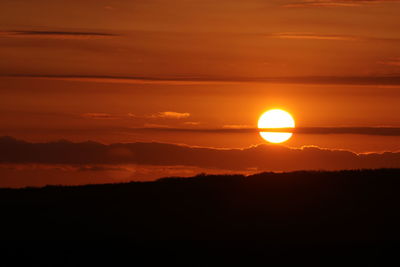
(302, 206)
(313, 218)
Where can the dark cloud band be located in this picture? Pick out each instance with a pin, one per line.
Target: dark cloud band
(261, 157)
(336, 3)
(381, 131)
(328, 80)
(55, 34)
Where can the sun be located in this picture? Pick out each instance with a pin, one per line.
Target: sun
(276, 118)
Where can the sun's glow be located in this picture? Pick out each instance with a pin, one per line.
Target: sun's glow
(276, 118)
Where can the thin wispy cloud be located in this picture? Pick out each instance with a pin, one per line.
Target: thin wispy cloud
(236, 126)
(161, 115)
(335, 3)
(158, 115)
(101, 35)
(349, 80)
(98, 116)
(192, 123)
(328, 37)
(313, 36)
(391, 62)
(155, 126)
(55, 34)
(238, 129)
(171, 115)
(189, 129)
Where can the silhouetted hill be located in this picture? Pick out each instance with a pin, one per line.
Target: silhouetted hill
(278, 210)
(297, 206)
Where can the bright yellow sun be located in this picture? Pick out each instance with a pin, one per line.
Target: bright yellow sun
(276, 118)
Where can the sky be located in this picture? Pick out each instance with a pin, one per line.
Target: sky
(195, 74)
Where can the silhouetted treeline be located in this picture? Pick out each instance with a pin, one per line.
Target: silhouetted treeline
(296, 206)
(274, 209)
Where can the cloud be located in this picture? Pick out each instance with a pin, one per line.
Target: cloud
(193, 123)
(391, 62)
(133, 115)
(236, 126)
(171, 115)
(335, 3)
(324, 36)
(328, 37)
(235, 129)
(23, 175)
(98, 116)
(161, 115)
(65, 168)
(164, 128)
(393, 80)
(260, 158)
(314, 36)
(155, 126)
(55, 34)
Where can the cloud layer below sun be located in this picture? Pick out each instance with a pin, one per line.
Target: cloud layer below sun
(261, 157)
(37, 164)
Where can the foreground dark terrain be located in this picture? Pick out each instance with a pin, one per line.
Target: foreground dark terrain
(323, 213)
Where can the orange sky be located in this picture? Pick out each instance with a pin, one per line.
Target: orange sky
(93, 70)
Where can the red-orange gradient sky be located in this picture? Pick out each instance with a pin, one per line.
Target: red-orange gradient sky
(98, 70)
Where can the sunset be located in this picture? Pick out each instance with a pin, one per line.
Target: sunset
(275, 118)
(285, 102)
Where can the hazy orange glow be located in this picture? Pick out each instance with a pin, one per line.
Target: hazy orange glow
(204, 68)
(276, 118)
